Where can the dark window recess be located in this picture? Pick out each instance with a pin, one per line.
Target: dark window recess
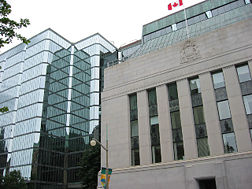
(207, 184)
(246, 87)
(221, 94)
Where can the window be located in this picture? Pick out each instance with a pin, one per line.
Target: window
(218, 80)
(194, 86)
(248, 103)
(247, 2)
(199, 121)
(134, 128)
(172, 91)
(154, 126)
(177, 135)
(203, 149)
(226, 123)
(135, 160)
(198, 115)
(174, 27)
(209, 14)
(229, 143)
(223, 109)
(175, 120)
(243, 73)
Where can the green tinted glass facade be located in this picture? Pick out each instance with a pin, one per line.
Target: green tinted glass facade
(56, 87)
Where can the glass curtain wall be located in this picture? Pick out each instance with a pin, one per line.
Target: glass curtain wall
(154, 126)
(177, 136)
(134, 137)
(226, 123)
(246, 90)
(199, 120)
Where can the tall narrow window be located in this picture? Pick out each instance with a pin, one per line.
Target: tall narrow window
(135, 160)
(226, 123)
(177, 135)
(154, 126)
(227, 130)
(246, 90)
(199, 120)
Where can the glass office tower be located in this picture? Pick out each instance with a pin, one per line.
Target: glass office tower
(52, 89)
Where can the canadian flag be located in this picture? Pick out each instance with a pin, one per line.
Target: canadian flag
(174, 4)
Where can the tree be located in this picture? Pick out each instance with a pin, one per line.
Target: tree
(90, 164)
(8, 27)
(12, 180)
(7, 30)
(4, 109)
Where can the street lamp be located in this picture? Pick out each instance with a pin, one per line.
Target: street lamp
(93, 143)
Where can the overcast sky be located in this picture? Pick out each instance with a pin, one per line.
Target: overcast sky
(119, 21)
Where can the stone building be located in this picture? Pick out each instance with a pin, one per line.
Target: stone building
(179, 109)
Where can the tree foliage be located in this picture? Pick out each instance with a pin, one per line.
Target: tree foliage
(8, 26)
(90, 164)
(12, 180)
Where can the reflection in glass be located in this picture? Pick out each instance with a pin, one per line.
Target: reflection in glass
(194, 86)
(229, 143)
(248, 103)
(243, 73)
(223, 109)
(218, 80)
(203, 149)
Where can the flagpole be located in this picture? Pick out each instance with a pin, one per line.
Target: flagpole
(187, 29)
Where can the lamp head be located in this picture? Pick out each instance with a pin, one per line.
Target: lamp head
(92, 142)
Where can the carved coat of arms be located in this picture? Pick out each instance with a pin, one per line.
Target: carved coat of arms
(190, 52)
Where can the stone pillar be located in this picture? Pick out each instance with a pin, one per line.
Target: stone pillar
(164, 119)
(187, 122)
(211, 115)
(237, 109)
(144, 128)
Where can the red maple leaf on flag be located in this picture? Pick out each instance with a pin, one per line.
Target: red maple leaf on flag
(175, 3)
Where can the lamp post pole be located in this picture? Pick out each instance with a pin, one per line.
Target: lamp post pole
(93, 143)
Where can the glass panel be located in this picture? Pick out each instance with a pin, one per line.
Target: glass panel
(133, 102)
(251, 133)
(243, 73)
(195, 86)
(155, 139)
(154, 120)
(248, 103)
(198, 115)
(203, 149)
(175, 120)
(223, 109)
(152, 97)
(221, 94)
(177, 135)
(218, 80)
(229, 143)
(156, 154)
(134, 142)
(135, 160)
(196, 100)
(134, 128)
(172, 90)
(226, 126)
(201, 131)
(178, 151)
(249, 117)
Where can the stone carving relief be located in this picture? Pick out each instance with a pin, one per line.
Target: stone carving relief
(190, 52)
